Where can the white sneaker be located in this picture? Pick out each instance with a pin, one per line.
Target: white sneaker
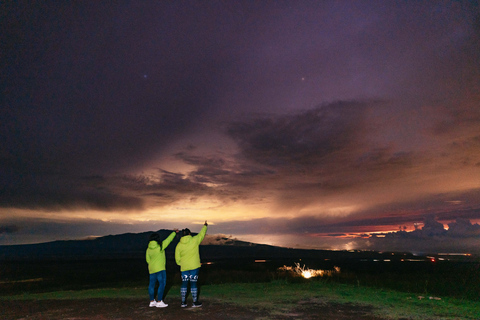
(153, 303)
(161, 304)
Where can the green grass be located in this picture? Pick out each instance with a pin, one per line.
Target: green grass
(387, 304)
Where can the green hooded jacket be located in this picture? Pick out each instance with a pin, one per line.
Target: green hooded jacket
(187, 254)
(155, 254)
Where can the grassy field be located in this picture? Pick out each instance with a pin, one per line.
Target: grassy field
(280, 297)
(420, 290)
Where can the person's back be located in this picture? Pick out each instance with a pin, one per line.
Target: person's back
(155, 257)
(187, 253)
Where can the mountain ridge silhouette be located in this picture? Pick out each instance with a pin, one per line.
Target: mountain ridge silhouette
(134, 245)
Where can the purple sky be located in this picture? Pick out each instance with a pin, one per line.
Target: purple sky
(295, 123)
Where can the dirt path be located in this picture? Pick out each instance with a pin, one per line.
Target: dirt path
(136, 309)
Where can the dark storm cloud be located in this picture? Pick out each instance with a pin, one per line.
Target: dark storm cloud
(461, 236)
(464, 151)
(319, 152)
(163, 187)
(331, 138)
(96, 89)
(208, 169)
(463, 228)
(9, 229)
(224, 172)
(57, 193)
(318, 149)
(303, 138)
(177, 186)
(325, 149)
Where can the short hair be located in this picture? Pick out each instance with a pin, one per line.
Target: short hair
(186, 232)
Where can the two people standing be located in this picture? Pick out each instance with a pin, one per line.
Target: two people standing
(187, 256)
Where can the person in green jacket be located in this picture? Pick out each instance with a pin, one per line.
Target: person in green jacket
(155, 257)
(187, 256)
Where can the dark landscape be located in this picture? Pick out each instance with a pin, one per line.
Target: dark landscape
(117, 261)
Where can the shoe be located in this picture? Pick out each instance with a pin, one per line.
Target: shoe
(196, 304)
(183, 305)
(153, 303)
(161, 304)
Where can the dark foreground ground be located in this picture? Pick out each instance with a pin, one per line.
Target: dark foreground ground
(138, 309)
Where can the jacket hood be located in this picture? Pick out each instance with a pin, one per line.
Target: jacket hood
(186, 239)
(153, 245)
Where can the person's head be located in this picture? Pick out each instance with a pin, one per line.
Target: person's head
(186, 232)
(154, 237)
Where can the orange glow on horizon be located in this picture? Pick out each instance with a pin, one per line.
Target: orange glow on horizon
(308, 273)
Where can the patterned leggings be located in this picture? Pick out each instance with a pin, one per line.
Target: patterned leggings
(192, 277)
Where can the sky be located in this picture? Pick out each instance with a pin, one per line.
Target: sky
(315, 124)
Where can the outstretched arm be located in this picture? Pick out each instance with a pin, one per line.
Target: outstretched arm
(202, 233)
(169, 239)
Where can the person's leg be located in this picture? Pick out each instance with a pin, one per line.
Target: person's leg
(151, 286)
(162, 280)
(184, 288)
(193, 286)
